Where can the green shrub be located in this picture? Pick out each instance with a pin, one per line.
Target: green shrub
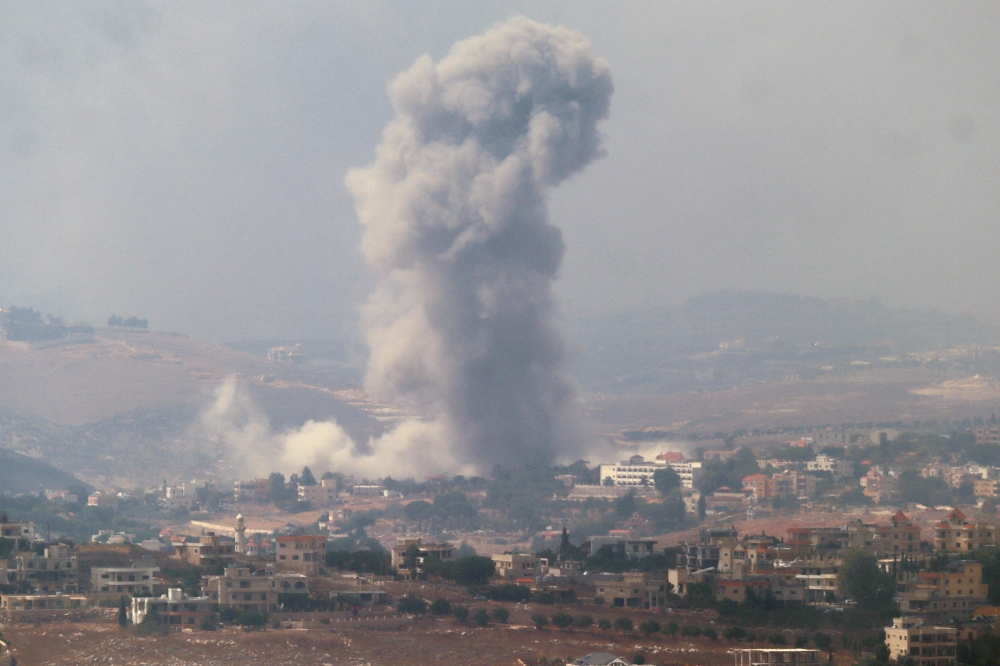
(540, 620)
(412, 605)
(501, 615)
(735, 633)
(461, 613)
(584, 621)
(562, 620)
(623, 623)
(604, 623)
(649, 627)
(441, 607)
(710, 634)
(481, 617)
(670, 629)
(777, 638)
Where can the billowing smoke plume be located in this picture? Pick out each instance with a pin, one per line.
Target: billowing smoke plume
(456, 223)
(454, 209)
(246, 439)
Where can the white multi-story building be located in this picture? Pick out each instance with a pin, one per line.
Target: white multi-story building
(124, 580)
(636, 471)
(324, 494)
(836, 466)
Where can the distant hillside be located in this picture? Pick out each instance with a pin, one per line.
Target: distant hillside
(757, 329)
(21, 474)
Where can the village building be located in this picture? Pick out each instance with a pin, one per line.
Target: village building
(259, 592)
(26, 602)
(954, 592)
(54, 571)
(22, 534)
(321, 495)
(923, 644)
(401, 555)
(124, 580)
(174, 608)
(209, 550)
(304, 553)
(254, 490)
(955, 535)
(515, 565)
(775, 656)
(634, 590)
(638, 472)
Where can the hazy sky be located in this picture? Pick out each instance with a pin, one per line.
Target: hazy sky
(185, 161)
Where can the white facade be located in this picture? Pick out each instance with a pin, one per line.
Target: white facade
(639, 472)
(825, 463)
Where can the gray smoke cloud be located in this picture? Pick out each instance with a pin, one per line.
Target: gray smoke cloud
(456, 224)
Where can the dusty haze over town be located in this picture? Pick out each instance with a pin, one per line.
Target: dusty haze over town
(186, 161)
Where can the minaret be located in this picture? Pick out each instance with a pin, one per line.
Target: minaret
(241, 538)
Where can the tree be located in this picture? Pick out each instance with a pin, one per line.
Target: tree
(604, 624)
(710, 634)
(670, 629)
(822, 641)
(861, 579)
(702, 506)
(584, 621)
(666, 480)
(441, 607)
(276, 486)
(540, 620)
(418, 512)
(501, 614)
(461, 613)
(307, 478)
(122, 613)
(412, 605)
(623, 623)
(562, 620)
(649, 627)
(625, 505)
(481, 617)
(608, 481)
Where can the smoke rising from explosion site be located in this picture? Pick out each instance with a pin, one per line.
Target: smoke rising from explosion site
(454, 210)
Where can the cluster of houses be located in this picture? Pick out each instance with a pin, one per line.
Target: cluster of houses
(48, 576)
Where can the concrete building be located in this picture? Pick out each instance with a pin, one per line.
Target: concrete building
(740, 590)
(988, 434)
(704, 553)
(238, 588)
(54, 571)
(637, 472)
(955, 535)
(400, 554)
(775, 656)
(124, 580)
(173, 608)
(634, 590)
(953, 592)
(26, 602)
(837, 467)
(794, 485)
(23, 534)
(759, 485)
(208, 551)
(635, 549)
(925, 645)
(322, 495)
(254, 490)
(305, 553)
(899, 536)
(515, 565)
(881, 488)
